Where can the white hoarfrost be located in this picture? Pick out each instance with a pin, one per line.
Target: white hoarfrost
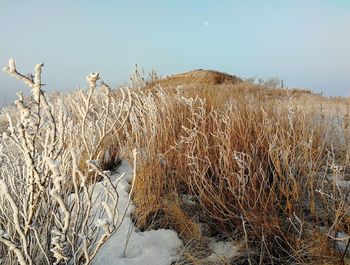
(50, 211)
(128, 246)
(223, 252)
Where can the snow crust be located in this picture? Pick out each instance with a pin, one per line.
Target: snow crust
(130, 247)
(223, 251)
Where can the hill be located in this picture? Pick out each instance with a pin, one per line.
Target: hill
(200, 76)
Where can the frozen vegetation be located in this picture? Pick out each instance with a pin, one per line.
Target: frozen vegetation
(215, 170)
(129, 246)
(53, 210)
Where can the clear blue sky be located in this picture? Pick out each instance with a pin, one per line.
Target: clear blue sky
(306, 43)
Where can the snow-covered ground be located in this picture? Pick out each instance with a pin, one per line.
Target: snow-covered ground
(130, 247)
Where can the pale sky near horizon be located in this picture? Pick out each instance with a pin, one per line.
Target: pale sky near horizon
(305, 43)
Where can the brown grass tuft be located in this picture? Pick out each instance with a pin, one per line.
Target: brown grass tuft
(256, 160)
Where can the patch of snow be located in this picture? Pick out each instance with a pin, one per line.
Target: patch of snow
(339, 181)
(129, 247)
(342, 242)
(223, 251)
(345, 184)
(188, 199)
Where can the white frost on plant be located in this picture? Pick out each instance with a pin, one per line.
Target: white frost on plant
(92, 79)
(11, 68)
(5, 135)
(4, 234)
(104, 224)
(3, 187)
(57, 178)
(36, 89)
(12, 64)
(105, 89)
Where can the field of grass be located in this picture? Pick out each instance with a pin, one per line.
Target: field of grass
(263, 168)
(261, 163)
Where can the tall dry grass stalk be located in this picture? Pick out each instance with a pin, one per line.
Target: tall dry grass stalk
(253, 158)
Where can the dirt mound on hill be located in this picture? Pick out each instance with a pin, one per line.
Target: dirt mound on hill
(198, 77)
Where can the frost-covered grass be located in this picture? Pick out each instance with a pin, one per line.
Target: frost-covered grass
(256, 160)
(242, 173)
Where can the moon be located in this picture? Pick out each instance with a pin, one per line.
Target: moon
(206, 23)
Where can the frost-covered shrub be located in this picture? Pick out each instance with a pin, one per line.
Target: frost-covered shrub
(50, 207)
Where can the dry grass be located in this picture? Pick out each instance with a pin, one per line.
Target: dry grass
(220, 157)
(255, 159)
